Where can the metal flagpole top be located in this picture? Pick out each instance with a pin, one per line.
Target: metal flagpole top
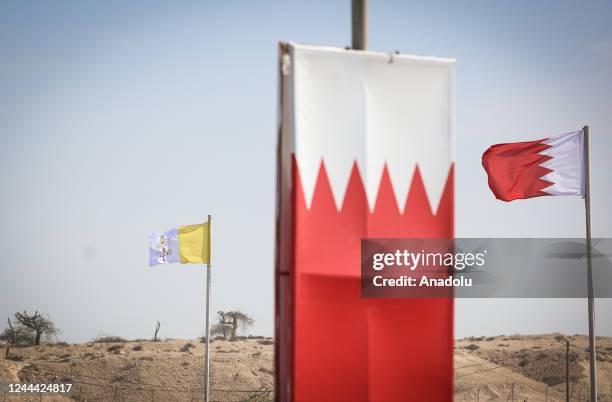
(209, 240)
(359, 11)
(207, 345)
(591, 300)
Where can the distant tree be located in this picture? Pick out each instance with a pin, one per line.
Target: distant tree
(229, 322)
(223, 326)
(240, 320)
(38, 324)
(9, 337)
(157, 325)
(17, 334)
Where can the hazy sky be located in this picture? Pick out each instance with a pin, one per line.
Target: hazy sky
(122, 118)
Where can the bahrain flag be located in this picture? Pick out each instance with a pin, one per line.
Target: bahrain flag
(550, 166)
(364, 151)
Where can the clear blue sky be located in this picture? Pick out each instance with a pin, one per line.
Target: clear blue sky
(122, 118)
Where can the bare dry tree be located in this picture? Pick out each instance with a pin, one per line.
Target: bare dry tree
(157, 325)
(38, 324)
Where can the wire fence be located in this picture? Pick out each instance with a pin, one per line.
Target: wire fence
(93, 388)
(510, 391)
(121, 393)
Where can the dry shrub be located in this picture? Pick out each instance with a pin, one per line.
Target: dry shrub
(265, 370)
(114, 348)
(15, 358)
(261, 395)
(186, 347)
(137, 348)
(60, 344)
(109, 339)
(472, 347)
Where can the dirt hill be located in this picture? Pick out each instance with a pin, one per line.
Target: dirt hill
(492, 368)
(534, 364)
(170, 370)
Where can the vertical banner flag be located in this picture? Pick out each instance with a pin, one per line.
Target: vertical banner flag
(365, 150)
(185, 244)
(550, 166)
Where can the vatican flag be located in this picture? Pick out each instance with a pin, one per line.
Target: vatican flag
(184, 244)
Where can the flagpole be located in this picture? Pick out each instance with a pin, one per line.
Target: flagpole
(207, 357)
(591, 301)
(359, 24)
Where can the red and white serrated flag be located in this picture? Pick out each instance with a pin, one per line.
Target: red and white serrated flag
(365, 151)
(550, 166)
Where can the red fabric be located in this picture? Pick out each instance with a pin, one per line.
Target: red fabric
(515, 169)
(343, 347)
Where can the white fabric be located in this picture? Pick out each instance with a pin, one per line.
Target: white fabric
(164, 247)
(372, 108)
(567, 164)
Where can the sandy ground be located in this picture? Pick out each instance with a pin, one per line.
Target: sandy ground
(534, 364)
(170, 370)
(532, 368)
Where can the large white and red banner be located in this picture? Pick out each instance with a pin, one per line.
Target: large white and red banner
(365, 151)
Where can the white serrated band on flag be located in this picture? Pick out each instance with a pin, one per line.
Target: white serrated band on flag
(373, 109)
(567, 165)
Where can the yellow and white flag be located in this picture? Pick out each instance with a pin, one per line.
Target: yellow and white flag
(184, 244)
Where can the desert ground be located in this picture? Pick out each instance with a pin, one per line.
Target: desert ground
(169, 370)
(530, 368)
(535, 364)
